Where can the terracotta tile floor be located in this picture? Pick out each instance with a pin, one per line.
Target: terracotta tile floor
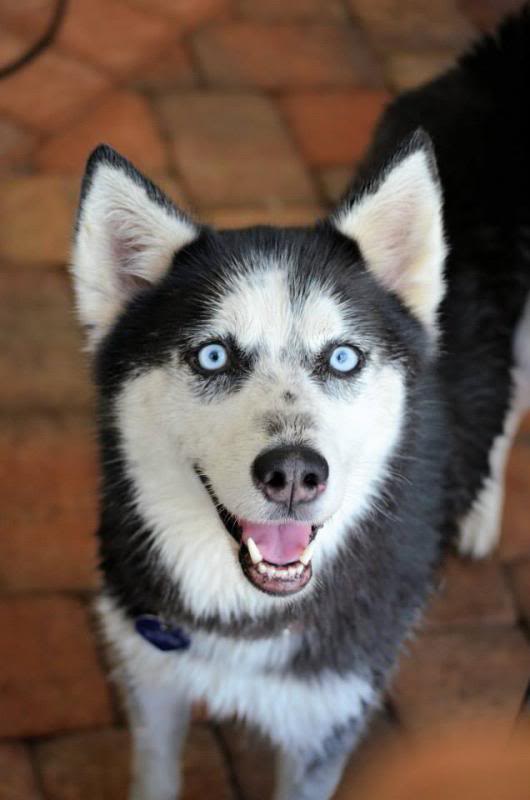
(245, 111)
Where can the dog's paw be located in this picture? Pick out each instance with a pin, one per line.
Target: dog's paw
(481, 527)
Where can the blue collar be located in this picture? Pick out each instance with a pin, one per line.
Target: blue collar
(160, 635)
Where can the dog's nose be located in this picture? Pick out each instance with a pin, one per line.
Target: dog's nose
(290, 475)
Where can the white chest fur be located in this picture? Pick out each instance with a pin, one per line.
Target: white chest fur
(247, 679)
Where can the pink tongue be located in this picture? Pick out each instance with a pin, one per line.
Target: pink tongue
(279, 543)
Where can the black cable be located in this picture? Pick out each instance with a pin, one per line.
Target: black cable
(41, 44)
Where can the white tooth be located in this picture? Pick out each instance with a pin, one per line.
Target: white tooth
(262, 568)
(271, 572)
(292, 572)
(253, 550)
(299, 570)
(307, 555)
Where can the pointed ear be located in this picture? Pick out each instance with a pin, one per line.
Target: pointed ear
(398, 225)
(126, 234)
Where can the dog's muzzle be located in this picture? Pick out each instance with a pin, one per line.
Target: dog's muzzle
(274, 556)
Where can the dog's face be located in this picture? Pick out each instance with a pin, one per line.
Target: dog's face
(257, 379)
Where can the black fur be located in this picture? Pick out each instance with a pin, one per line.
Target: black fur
(477, 116)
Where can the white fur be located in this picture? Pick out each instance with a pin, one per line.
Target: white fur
(480, 529)
(259, 312)
(165, 429)
(296, 779)
(122, 235)
(159, 718)
(241, 677)
(399, 229)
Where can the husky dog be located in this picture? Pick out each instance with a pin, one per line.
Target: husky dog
(293, 422)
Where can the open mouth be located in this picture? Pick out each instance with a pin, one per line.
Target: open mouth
(274, 556)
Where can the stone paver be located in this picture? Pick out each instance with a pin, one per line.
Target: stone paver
(48, 497)
(294, 10)
(253, 761)
(524, 429)
(414, 24)
(52, 680)
(486, 14)
(334, 182)
(173, 70)
(520, 576)
(279, 55)
(232, 149)
(36, 213)
(205, 771)
(11, 45)
(282, 215)
(462, 676)
(16, 145)
(41, 344)
(515, 540)
(333, 128)
(17, 778)
(187, 14)
(467, 762)
(95, 766)
(49, 93)
(373, 752)
(472, 592)
(173, 189)
(141, 35)
(91, 765)
(406, 70)
(28, 18)
(123, 120)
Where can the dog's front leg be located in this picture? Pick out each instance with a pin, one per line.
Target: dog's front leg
(158, 718)
(314, 774)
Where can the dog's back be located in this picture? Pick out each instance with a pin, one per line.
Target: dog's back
(477, 115)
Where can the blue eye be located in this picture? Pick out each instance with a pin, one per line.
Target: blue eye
(344, 359)
(212, 357)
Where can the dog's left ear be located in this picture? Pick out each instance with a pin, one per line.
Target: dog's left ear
(397, 223)
(126, 235)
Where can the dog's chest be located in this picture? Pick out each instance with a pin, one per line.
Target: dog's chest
(253, 681)
(249, 679)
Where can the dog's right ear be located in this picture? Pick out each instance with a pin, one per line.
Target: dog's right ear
(126, 234)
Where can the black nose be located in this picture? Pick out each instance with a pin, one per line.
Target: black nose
(290, 475)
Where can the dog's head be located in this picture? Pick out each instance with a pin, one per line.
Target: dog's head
(257, 379)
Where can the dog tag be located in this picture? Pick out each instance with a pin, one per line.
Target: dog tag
(160, 635)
